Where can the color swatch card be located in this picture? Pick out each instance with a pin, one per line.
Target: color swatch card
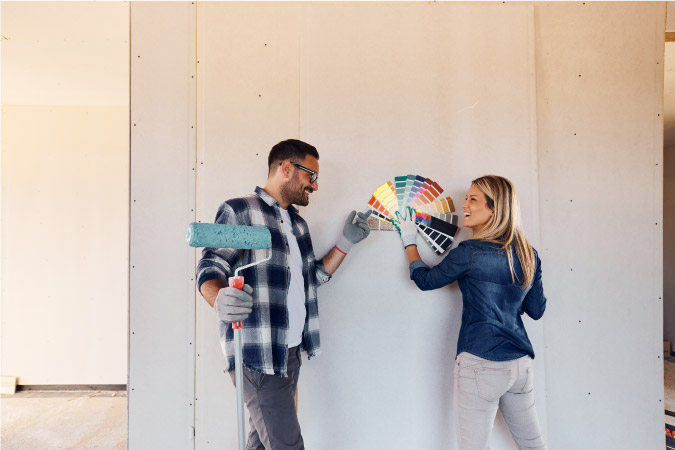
(433, 212)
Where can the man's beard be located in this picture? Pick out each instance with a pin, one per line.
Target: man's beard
(293, 193)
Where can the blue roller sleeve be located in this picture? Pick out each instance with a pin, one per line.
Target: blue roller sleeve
(215, 235)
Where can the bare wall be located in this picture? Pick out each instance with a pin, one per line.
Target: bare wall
(599, 117)
(569, 107)
(65, 192)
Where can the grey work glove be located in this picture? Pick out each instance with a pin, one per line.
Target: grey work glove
(354, 231)
(232, 304)
(406, 226)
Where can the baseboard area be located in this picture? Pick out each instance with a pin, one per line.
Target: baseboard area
(71, 387)
(8, 385)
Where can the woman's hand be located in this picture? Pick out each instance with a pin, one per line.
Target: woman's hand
(406, 226)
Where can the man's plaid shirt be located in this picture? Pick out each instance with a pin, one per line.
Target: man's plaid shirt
(264, 341)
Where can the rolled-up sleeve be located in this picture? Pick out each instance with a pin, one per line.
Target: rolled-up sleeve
(534, 303)
(321, 275)
(217, 263)
(454, 266)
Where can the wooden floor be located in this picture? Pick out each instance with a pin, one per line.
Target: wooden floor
(38, 420)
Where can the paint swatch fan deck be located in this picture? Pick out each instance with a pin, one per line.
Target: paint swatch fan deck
(433, 212)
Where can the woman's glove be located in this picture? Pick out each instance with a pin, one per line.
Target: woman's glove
(353, 231)
(406, 226)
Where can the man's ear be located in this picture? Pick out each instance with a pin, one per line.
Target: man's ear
(285, 169)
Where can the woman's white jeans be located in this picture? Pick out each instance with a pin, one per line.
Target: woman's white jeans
(482, 387)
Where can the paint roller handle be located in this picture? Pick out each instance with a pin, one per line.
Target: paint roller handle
(237, 283)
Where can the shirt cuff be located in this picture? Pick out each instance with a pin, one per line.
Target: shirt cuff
(417, 264)
(321, 275)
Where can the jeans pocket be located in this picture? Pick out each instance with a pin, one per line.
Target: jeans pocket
(467, 363)
(254, 377)
(529, 381)
(492, 383)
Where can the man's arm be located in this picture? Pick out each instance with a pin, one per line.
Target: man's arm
(231, 304)
(353, 232)
(215, 265)
(210, 289)
(332, 260)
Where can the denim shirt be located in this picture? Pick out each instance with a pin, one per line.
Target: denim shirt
(492, 302)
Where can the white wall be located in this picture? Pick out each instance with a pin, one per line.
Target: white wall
(162, 292)
(371, 85)
(373, 111)
(65, 191)
(599, 117)
(248, 96)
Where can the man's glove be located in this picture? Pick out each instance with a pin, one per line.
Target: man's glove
(354, 231)
(406, 226)
(232, 304)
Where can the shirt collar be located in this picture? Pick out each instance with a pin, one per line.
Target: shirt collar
(267, 198)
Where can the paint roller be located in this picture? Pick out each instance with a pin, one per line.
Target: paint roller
(214, 235)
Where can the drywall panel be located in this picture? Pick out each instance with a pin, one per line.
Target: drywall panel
(381, 90)
(65, 191)
(248, 78)
(388, 90)
(161, 316)
(599, 105)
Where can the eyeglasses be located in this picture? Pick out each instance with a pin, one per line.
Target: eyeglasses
(313, 175)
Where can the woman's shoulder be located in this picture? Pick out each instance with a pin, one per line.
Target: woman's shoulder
(479, 244)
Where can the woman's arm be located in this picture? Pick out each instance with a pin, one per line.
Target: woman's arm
(412, 253)
(456, 264)
(534, 303)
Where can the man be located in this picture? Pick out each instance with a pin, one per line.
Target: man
(279, 302)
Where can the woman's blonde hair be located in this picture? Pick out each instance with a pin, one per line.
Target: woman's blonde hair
(504, 225)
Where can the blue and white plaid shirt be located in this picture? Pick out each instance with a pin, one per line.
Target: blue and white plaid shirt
(264, 342)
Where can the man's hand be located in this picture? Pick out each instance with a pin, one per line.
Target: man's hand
(233, 305)
(406, 226)
(354, 231)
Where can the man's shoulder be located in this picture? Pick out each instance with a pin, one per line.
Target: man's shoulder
(240, 209)
(243, 203)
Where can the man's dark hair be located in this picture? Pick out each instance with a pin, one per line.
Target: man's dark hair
(291, 149)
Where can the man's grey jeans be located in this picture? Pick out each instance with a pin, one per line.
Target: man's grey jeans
(270, 399)
(482, 387)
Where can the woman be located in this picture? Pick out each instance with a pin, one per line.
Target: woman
(499, 274)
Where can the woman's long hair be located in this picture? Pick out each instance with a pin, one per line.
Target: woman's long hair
(504, 226)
